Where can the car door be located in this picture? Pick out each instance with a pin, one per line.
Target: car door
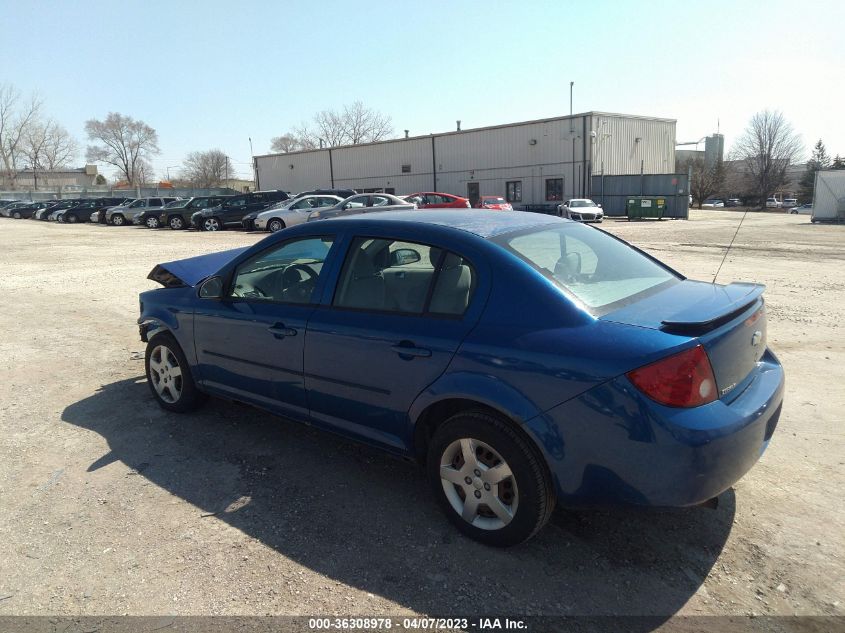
(249, 344)
(398, 315)
(233, 211)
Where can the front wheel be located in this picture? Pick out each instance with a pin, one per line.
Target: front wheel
(152, 222)
(176, 223)
(275, 225)
(211, 224)
(16, 215)
(118, 220)
(71, 219)
(492, 484)
(169, 375)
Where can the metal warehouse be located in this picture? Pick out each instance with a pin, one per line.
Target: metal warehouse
(530, 163)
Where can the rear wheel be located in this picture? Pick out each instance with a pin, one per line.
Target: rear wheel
(492, 484)
(176, 223)
(211, 224)
(152, 222)
(71, 218)
(275, 225)
(118, 220)
(169, 375)
(16, 215)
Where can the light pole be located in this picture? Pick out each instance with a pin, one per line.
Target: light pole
(254, 167)
(572, 133)
(168, 171)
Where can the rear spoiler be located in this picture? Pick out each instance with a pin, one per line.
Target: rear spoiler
(702, 320)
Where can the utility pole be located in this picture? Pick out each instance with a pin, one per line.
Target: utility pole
(254, 166)
(572, 133)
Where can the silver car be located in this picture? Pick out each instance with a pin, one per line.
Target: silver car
(292, 212)
(581, 210)
(125, 214)
(363, 203)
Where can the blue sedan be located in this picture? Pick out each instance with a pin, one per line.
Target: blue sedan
(523, 359)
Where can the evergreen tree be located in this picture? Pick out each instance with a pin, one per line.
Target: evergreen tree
(838, 162)
(818, 160)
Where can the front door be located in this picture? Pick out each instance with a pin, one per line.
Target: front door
(473, 193)
(249, 345)
(396, 321)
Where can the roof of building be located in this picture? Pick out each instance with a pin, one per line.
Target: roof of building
(476, 129)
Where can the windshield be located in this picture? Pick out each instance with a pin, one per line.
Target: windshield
(603, 273)
(177, 204)
(582, 203)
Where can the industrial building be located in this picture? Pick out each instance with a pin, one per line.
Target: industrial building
(532, 164)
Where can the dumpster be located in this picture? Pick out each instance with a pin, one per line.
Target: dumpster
(639, 207)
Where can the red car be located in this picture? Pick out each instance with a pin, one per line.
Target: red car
(494, 203)
(433, 200)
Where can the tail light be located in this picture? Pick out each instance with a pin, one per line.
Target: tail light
(681, 380)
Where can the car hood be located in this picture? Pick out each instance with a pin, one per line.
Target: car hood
(189, 272)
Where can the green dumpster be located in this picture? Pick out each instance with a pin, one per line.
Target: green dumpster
(640, 207)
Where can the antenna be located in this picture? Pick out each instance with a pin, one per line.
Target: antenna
(717, 125)
(728, 250)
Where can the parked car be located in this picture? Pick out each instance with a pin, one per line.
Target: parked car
(101, 215)
(233, 210)
(789, 203)
(713, 203)
(26, 211)
(581, 210)
(83, 211)
(288, 212)
(363, 203)
(7, 210)
(436, 200)
(177, 215)
(522, 358)
(149, 216)
(5, 203)
(340, 193)
(51, 209)
(733, 202)
(97, 207)
(806, 209)
(125, 214)
(495, 203)
(773, 203)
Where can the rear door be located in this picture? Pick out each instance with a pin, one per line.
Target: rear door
(399, 312)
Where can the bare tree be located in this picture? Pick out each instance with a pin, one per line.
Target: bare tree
(47, 145)
(767, 147)
(706, 180)
(284, 144)
(16, 118)
(352, 125)
(123, 142)
(207, 169)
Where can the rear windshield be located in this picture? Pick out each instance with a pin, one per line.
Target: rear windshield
(601, 272)
(494, 201)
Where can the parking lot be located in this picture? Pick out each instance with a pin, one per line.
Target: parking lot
(111, 505)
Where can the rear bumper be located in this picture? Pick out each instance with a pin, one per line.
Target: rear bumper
(616, 445)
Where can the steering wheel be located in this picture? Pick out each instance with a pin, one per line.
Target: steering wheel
(297, 288)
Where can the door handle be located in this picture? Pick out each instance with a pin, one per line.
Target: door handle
(406, 348)
(280, 331)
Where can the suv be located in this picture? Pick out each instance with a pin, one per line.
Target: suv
(233, 209)
(772, 203)
(789, 203)
(177, 215)
(84, 211)
(118, 216)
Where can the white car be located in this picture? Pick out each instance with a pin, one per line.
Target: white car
(581, 210)
(712, 204)
(773, 203)
(789, 203)
(292, 212)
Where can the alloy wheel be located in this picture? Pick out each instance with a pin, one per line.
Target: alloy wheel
(117, 220)
(211, 224)
(176, 223)
(152, 223)
(275, 225)
(16, 215)
(479, 484)
(71, 219)
(165, 374)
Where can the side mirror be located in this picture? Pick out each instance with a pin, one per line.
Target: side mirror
(211, 288)
(404, 256)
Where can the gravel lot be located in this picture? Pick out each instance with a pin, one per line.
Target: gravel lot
(109, 505)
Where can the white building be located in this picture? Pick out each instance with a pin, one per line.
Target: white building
(530, 163)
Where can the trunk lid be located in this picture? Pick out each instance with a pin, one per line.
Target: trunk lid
(729, 321)
(189, 272)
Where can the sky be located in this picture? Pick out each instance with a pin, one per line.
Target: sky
(212, 74)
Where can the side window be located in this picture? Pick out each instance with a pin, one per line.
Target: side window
(380, 201)
(154, 202)
(326, 202)
(287, 273)
(356, 202)
(200, 204)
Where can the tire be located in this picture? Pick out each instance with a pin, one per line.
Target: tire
(152, 222)
(169, 375)
(16, 215)
(71, 219)
(118, 220)
(176, 223)
(275, 225)
(524, 498)
(211, 224)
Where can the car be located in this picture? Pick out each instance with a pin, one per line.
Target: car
(148, 216)
(437, 200)
(124, 214)
(7, 210)
(497, 203)
(773, 203)
(581, 210)
(27, 210)
(806, 208)
(98, 216)
(522, 359)
(789, 203)
(340, 193)
(232, 211)
(363, 203)
(177, 214)
(53, 207)
(713, 203)
(733, 202)
(83, 210)
(289, 212)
